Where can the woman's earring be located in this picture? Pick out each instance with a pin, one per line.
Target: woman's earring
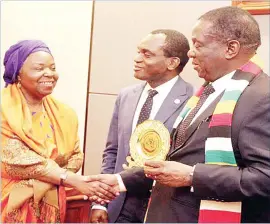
(19, 82)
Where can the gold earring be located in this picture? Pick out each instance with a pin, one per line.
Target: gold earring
(19, 82)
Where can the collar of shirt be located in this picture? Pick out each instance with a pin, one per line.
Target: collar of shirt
(219, 86)
(164, 88)
(163, 91)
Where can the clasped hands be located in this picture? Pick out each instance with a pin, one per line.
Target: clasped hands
(103, 188)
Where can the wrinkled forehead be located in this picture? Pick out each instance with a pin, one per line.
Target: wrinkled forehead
(153, 42)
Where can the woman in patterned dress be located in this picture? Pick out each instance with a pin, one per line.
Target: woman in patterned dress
(39, 140)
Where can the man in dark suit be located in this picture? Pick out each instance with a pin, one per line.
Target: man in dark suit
(193, 185)
(161, 57)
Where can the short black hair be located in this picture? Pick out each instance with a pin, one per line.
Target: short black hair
(176, 45)
(233, 23)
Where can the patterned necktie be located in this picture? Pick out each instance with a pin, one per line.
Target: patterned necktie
(147, 107)
(181, 129)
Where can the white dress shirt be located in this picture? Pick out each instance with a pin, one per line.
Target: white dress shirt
(219, 85)
(163, 91)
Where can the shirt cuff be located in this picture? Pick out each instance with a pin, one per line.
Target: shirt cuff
(101, 207)
(122, 187)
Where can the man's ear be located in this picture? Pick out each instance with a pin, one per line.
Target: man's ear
(233, 48)
(173, 63)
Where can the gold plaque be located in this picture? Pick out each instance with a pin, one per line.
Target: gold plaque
(149, 141)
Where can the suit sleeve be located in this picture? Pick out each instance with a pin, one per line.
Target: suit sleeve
(135, 180)
(110, 152)
(253, 179)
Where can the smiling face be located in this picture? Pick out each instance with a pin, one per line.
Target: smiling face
(150, 63)
(38, 76)
(208, 54)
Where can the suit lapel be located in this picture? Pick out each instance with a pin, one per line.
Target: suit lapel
(202, 117)
(196, 124)
(173, 101)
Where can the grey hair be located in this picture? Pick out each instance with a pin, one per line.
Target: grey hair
(233, 23)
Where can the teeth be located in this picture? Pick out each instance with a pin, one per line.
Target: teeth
(47, 83)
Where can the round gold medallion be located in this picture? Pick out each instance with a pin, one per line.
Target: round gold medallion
(150, 141)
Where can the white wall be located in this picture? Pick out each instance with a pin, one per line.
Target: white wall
(263, 51)
(65, 27)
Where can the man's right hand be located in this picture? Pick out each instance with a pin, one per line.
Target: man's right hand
(104, 179)
(91, 186)
(99, 216)
(108, 179)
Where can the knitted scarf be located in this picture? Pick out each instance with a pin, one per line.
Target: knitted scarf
(218, 146)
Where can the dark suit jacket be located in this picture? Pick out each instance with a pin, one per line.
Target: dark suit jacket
(249, 182)
(117, 147)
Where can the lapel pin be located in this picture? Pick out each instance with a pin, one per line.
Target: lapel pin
(177, 101)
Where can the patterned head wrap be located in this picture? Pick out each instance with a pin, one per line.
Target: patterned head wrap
(16, 56)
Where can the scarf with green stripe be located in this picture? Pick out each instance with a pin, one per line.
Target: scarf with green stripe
(218, 146)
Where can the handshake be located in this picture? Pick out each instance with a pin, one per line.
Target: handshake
(101, 188)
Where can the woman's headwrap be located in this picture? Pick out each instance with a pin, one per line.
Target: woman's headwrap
(17, 54)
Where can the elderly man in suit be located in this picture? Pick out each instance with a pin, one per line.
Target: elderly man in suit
(218, 169)
(161, 57)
